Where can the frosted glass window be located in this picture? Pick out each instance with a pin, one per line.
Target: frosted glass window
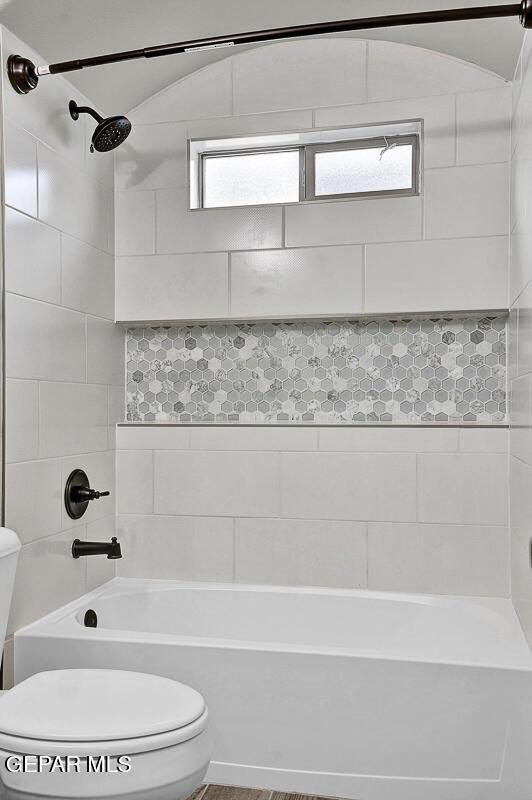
(368, 169)
(248, 179)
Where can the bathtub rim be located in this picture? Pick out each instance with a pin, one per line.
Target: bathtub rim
(62, 623)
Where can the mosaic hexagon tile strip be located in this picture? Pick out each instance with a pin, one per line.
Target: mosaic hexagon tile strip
(360, 371)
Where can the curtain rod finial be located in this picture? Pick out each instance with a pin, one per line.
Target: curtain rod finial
(22, 74)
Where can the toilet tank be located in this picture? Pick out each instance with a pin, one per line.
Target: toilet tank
(9, 548)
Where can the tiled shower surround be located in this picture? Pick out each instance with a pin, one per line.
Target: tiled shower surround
(357, 371)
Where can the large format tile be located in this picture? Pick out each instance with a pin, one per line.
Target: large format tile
(353, 222)
(521, 419)
(32, 258)
(312, 281)
(154, 157)
(134, 470)
(439, 275)
(180, 230)
(217, 483)
(233, 438)
(20, 167)
(72, 201)
(398, 70)
(484, 440)
(47, 578)
(388, 440)
(38, 516)
(105, 352)
(306, 74)
(465, 489)
(44, 341)
(521, 499)
(135, 223)
(466, 201)
(116, 409)
(524, 332)
(190, 286)
(348, 486)
(88, 278)
(73, 419)
(438, 559)
(22, 420)
(483, 126)
(249, 124)
(301, 553)
(153, 437)
(176, 548)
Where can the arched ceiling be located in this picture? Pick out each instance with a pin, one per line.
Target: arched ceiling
(65, 29)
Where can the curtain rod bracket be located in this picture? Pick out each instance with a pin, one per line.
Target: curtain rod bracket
(24, 75)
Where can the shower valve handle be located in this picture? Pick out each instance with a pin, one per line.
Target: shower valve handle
(80, 494)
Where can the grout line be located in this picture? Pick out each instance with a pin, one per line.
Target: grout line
(59, 230)
(153, 481)
(421, 523)
(229, 281)
(367, 555)
(155, 220)
(234, 550)
(37, 181)
(364, 275)
(468, 426)
(366, 74)
(416, 484)
(314, 245)
(60, 306)
(232, 87)
(456, 131)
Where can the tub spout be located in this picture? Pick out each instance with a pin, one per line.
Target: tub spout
(110, 549)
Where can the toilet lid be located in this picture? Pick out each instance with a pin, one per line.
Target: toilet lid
(89, 705)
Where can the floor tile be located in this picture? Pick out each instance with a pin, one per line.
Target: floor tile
(235, 793)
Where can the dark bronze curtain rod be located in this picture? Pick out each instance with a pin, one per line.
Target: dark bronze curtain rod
(24, 75)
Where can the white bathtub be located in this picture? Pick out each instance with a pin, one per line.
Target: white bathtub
(354, 694)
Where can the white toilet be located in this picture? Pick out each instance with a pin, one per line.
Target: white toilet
(96, 733)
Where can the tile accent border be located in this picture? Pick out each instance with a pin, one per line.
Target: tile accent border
(413, 370)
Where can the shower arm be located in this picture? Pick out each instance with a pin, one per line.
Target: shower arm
(24, 75)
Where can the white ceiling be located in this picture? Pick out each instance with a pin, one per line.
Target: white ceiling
(65, 29)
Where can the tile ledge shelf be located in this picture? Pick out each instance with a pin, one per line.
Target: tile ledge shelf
(366, 315)
(292, 425)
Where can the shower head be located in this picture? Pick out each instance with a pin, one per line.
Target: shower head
(109, 133)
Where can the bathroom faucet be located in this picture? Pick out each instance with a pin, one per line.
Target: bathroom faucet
(110, 549)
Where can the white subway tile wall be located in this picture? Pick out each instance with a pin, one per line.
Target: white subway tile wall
(64, 371)
(234, 504)
(408, 509)
(443, 251)
(322, 505)
(520, 342)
